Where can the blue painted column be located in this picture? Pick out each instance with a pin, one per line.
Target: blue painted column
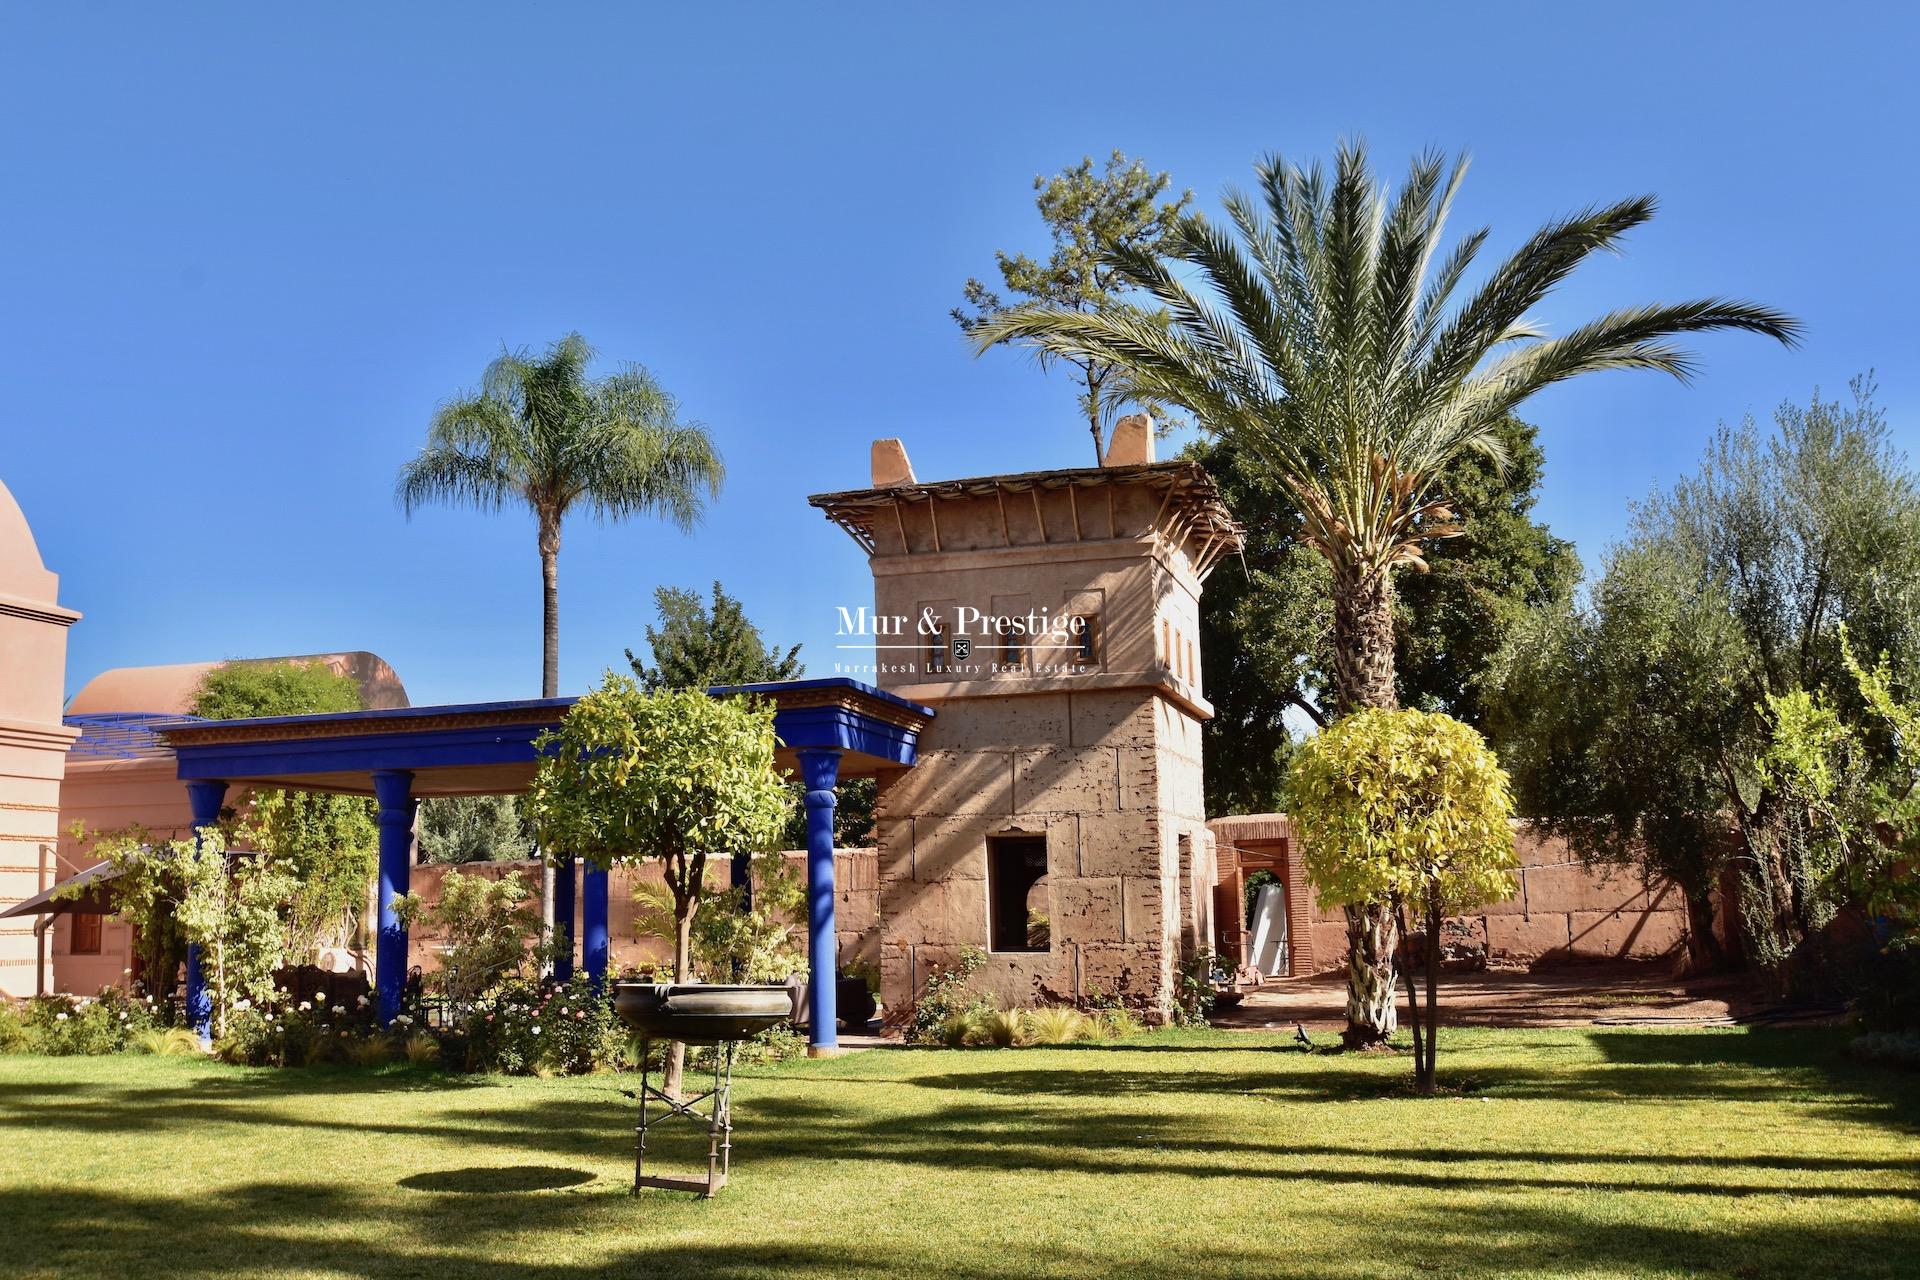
(593, 925)
(563, 900)
(393, 790)
(205, 799)
(820, 770)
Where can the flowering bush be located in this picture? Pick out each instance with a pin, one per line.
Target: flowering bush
(66, 1025)
(281, 1031)
(542, 1028)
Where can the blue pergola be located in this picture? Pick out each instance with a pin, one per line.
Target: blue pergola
(828, 729)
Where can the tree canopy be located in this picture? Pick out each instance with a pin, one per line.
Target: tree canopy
(1266, 629)
(1636, 724)
(695, 647)
(541, 432)
(1087, 214)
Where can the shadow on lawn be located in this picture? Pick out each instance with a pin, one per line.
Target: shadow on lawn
(338, 1232)
(497, 1180)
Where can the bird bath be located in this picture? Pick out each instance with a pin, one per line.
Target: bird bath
(704, 1014)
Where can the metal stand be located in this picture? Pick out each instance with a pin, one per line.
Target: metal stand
(718, 1122)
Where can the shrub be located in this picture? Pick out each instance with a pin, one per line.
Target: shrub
(1116, 1022)
(959, 1030)
(1893, 1048)
(370, 1051)
(948, 994)
(1889, 987)
(64, 1026)
(1002, 1028)
(541, 1028)
(422, 1049)
(13, 1029)
(166, 1042)
(283, 1032)
(1057, 1024)
(1193, 991)
(490, 926)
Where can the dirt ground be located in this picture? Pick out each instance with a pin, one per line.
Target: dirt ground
(1636, 995)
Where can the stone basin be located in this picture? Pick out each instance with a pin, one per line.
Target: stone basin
(699, 1012)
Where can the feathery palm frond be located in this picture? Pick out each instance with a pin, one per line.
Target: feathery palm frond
(1323, 335)
(540, 430)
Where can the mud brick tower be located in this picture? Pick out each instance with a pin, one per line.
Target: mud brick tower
(1055, 819)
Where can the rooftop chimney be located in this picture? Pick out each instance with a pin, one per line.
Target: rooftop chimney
(1132, 443)
(890, 465)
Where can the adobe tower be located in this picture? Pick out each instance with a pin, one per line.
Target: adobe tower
(33, 739)
(1055, 819)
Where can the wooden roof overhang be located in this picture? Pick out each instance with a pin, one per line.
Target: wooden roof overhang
(1190, 506)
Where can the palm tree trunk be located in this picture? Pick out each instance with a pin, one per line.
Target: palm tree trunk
(1364, 677)
(1363, 665)
(549, 607)
(1372, 938)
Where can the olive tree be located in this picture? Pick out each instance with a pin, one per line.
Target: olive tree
(674, 776)
(1408, 811)
(1636, 723)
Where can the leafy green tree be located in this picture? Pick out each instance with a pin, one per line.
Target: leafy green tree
(1623, 722)
(1857, 779)
(472, 829)
(1637, 725)
(1087, 214)
(540, 432)
(1411, 810)
(675, 776)
(327, 843)
(1266, 631)
(490, 929)
(1322, 338)
(699, 648)
(230, 907)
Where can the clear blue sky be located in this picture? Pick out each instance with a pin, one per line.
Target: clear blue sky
(244, 251)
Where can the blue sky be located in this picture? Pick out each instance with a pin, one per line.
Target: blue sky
(245, 250)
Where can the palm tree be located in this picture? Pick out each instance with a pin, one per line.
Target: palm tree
(541, 432)
(1323, 340)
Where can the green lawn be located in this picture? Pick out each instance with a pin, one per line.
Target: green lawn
(1588, 1152)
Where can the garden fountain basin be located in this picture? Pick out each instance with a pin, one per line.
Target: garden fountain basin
(698, 1012)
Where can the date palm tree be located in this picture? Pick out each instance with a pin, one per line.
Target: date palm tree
(1328, 336)
(539, 431)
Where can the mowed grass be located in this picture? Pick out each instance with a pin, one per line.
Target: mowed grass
(1567, 1152)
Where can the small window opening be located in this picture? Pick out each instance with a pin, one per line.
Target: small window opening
(1017, 894)
(937, 649)
(1086, 640)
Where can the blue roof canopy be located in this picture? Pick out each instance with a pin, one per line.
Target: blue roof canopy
(485, 748)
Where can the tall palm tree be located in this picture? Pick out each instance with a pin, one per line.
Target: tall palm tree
(1323, 339)
(541, 432)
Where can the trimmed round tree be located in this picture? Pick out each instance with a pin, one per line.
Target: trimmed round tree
(675, 776)
(1408, 811)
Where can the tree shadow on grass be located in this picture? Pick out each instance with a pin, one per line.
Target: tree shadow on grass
(501, 1180)
(352, 1232)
